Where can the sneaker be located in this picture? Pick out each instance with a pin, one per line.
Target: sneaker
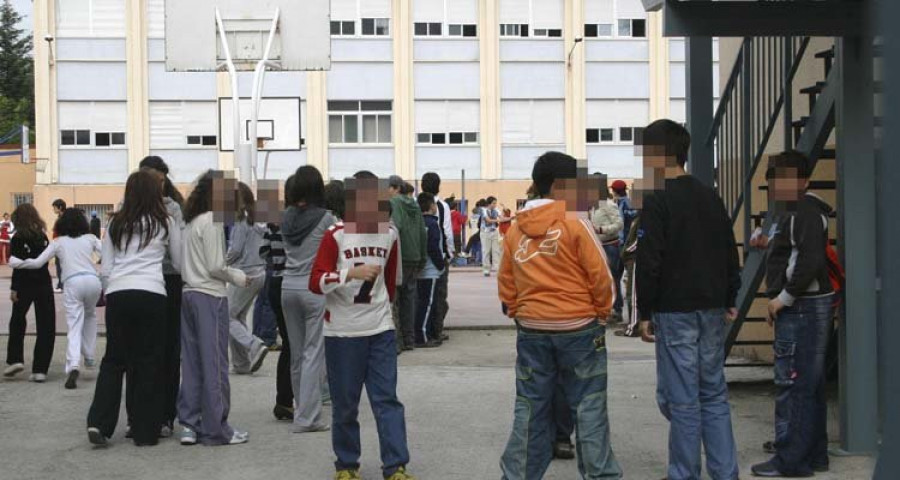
(128, 433)
(257, 357)
(347, 475)
(71, 380)
(90, 363)
(401, 474)
(13, 370)
(767, 470)
(564, 450)
(429, 344)
(97, 438)
(187, 437)
(275, 347)
(238, 438)
(444, 337)
(283, 413)
(165, 431)
(320, 427)
(38, 377)
(57, 290)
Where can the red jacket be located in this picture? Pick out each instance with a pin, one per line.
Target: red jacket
(457, 220)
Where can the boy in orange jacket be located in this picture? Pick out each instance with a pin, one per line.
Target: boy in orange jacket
(555, 283)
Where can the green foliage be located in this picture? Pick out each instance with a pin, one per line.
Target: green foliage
(16, 71)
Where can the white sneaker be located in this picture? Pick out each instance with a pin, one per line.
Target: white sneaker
(38, 378)
(188, 437)
(257, 356)
(239, 437)
(13, 370)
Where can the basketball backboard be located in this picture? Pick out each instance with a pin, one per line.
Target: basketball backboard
(302, 40)
(279, 123)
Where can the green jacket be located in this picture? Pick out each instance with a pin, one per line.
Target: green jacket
(407, 218)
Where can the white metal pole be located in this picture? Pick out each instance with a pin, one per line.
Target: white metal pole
(241, 158)
(259, 76)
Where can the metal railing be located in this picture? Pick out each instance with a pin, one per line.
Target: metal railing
(757, 93)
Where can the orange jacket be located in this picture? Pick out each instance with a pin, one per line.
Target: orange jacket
(554, 274)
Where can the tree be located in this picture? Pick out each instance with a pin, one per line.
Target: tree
(16, 70)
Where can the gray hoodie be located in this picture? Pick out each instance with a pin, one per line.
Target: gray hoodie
(302, 230)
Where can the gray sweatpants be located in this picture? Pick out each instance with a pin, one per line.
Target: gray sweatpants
(240, 302)
(204, 398)
(304, 316)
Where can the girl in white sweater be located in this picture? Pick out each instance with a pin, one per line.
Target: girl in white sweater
(74, 248)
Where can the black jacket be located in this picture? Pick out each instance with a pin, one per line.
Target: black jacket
(799, 267)
(25, 249)
(687, 260)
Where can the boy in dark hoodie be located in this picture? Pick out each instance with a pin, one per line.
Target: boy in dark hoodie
(802, 309)
(426, 332)
(407, 219)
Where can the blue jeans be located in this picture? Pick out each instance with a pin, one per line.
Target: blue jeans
(692, 393)
(617, 268)
(369, 361)
(801, 411)
(578, 359)
(264, 323)
(562, 415)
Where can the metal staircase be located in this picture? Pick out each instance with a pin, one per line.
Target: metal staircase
(759, 92)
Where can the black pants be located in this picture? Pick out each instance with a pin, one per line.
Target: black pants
(172, 359)
(426, 310)
(284, 395)
(135, 347)
(442, 306)
(41, 295)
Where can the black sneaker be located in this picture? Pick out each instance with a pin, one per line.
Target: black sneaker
(564, 450)
(97, 438)
(283, 413)
(71, 380)
(769, 447)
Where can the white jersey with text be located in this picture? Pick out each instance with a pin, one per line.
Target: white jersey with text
(355, 308)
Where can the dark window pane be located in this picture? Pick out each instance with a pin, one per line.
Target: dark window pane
(423, 138)
(421, 28)
(349, 28)
(351, 129)
(556, 32)
(590, 30)
(625, 134)
(456, 138)
(118, 138)
(471, 137)
(193, 140)
(382, 26)
(639, 28)
(209, 140)
(606, 134)
(524, 29)
(368, 26)
(376, 106)
(434, 29)
(638, 135)
(593, 135)
(101, 139)
(335, 28)
(83, 137)
(68, 137)
(438, 138)
(343, 106)
(470, 30)
(540, 32)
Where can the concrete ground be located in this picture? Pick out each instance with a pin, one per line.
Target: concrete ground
(458, 399)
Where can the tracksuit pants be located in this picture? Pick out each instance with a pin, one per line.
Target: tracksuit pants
(204, 399)
(426, 310)
(240, 301)
(41, 295)
(135, 336)
(81, 317)
(370, 361)
(305, 318)
(172, 358)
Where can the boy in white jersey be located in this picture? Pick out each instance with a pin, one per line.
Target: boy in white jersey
(357, 270)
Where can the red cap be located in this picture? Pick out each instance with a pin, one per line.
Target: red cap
(619, 185)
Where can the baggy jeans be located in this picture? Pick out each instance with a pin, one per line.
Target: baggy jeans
(692, 393)
(578, 360)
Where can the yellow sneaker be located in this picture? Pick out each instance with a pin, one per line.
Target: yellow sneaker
(401, 474)
(347, 475)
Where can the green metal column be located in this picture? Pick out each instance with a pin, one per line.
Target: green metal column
(857, 233)
(699, 90)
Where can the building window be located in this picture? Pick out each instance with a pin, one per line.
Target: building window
(544, 32)
(428, 29)
(379, 27)
(20, 198)
(636, 28)
(462, 30)
(451, 138)
(599, 135)
(343, 27)
(355, 122)
(630, 134)
(109, 139)
(202, 140)
(75, 137)
(594, 30)
(513, 30)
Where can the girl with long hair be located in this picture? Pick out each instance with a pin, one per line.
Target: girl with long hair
(74, 247)
(138, 238)
(174, 202)
(247, 350)
(204, 399)
(30, 287)
(304, 225)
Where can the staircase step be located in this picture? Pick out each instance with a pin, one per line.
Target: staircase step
(826, 53)
(815, 89)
